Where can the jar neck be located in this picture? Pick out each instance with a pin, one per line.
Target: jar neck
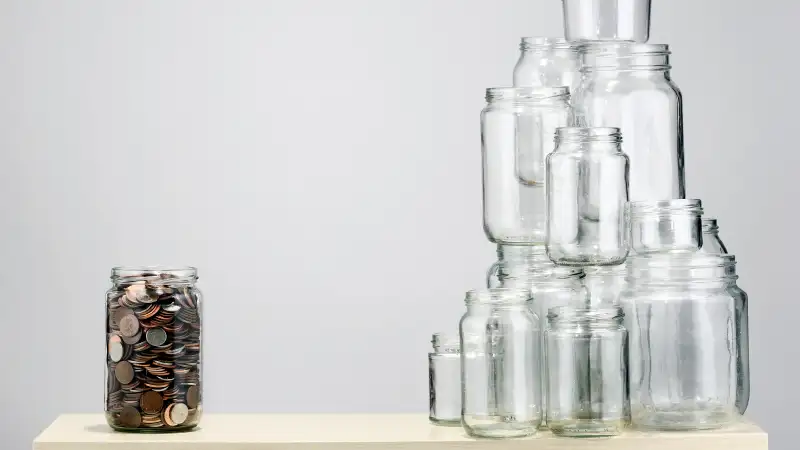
(568, 317)
(153, 276)
(578, 139)
(664, 209)
(532, 96)
(710, 227)
(694, 270)
(544, 46)
(445, 343)
(607, 57)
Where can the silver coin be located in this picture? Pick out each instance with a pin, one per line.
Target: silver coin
(129, 325)
(179, 413)
(116, 350)
(156, 337)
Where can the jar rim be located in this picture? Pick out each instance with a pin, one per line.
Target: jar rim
(584, 314)
(588, 134)
(546, 43)
(446, 340)
(526, 93)
(153, 273)
(625, 47)
(498, 296)
(666, 206)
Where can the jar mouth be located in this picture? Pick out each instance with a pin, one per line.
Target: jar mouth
(710, 225)
(533, 43)
(624, 55)
(693, 206)
(681, 267)
(446, 341)
(583, 314)
(588, 134)
(153, 274)
(526, 93)
(622, 47)
(498, 296)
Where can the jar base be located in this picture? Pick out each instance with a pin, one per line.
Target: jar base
(445, 422)
(683, 420)
(499, 427)
(587, 428)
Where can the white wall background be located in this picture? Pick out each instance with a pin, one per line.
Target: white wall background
(318, 160)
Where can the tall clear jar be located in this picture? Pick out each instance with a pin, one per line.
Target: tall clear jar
(444, 380)
(587, 189)
(681, 319)
(605, 284)
(500, 365)
(587, 354)
(153, 349)
(606, 20)
(628, 86)
(547, 62)
(517, 129)
(712, 244)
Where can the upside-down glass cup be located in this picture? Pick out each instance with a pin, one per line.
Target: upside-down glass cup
(547, 62)
(607, 20)
(666, 226)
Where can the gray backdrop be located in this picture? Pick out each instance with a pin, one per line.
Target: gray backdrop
(318, 161)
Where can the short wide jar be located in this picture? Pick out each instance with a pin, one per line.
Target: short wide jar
(666, 226)
(153, 356)
(587, 372)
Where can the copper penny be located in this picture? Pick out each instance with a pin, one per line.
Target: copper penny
(192, 397)
(129, 417)
(129, 325)
(133, 339)
(124, 372)
(151, 402)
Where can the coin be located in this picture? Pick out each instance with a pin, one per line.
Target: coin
(124, 372)
(156, 337)
(115, 348)
(192, 397)
(129, 417)
(129, 325)
(178, 413)
(119, 314)
(151, 402)
(134, 339)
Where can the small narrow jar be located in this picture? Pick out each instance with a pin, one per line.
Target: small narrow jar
(500, 365)
(666, 226)
(444, 377)
(517, 128)
(686, 341)
(587, 188)
(547, 62)
(628, 86)
(605, 20)
(587, 372)
(712, 244)
(153, 356)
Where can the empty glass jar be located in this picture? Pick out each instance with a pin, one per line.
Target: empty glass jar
(587, 188)
(681, 318)
(500, 364)
(444, 377)
(547, 62)
(587, 372)
(628, 86)
(712, 244)
(607, 20)
(666, 226)
(153, 357)
(517, 129)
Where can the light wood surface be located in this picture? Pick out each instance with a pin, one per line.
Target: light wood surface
(362, 432)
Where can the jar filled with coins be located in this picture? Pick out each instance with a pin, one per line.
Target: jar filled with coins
(153, 349)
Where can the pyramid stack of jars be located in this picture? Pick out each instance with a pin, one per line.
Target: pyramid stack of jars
(613, 303)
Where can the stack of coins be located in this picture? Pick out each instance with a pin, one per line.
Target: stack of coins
(153, 354)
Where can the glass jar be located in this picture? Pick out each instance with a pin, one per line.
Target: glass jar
(517, 129)
(666, 226)
(153, 356)
(444, 377)
(605, 20)
(587, 188)
(500, 365)
(518, 262)
(587, 372)
(605, 284)
(741, 325)
(681, 319)
(547, 62)
(712, 244)
(628, 86)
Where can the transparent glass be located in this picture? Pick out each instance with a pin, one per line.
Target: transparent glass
(666, 226)
(547, 62)
(517, 129)
(681, 318)
(587, 354)
(605, 284)
(742, 344)
(154, 356)
(628, 86)
(607, 20)
(712, 244)
(444, 377)
(500, 365)
(587, 189)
